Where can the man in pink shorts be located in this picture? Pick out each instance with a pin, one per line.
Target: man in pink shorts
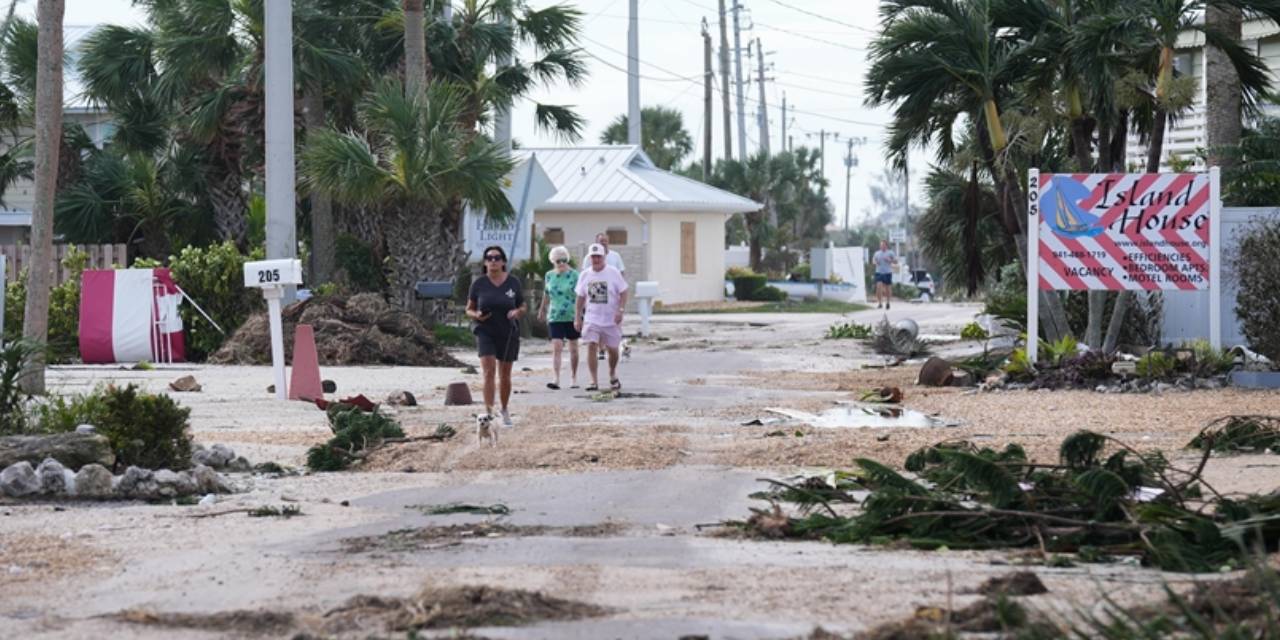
(602, 295)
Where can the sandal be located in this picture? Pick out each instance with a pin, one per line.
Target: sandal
(592, 387)
(615, 384)
(553, 386)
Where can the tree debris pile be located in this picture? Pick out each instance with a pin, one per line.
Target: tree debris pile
(355, 330)
(459, 607)
(355, 433)
(887, 339)
(1239, 434)
(1103, 499)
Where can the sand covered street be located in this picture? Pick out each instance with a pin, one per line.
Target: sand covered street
(606, 503)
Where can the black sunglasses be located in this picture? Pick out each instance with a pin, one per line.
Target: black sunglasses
(561, 261)
(493, 257)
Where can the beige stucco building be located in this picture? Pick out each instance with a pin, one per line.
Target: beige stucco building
(666, 227)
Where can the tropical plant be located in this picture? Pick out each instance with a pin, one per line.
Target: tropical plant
(15, 357)
(354, 432)
(1252, 178)
(1257, 267)
(64, 310)
(414, 159)
(662, 136)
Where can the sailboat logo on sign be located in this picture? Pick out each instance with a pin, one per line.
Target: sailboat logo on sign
(1061, 205)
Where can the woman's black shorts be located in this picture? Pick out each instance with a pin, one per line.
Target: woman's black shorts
(504, 346)
(563, 331)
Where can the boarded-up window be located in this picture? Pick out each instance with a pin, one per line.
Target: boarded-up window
(554, 236)
(688, 247)
(617, 237)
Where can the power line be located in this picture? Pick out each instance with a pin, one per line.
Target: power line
(674, 75)
(822, 78)
(816, 90)
(642, 76)
(823, 17)
(809, 37)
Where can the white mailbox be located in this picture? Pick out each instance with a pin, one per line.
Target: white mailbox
(272, 273)
(271, 276)
(647, 289)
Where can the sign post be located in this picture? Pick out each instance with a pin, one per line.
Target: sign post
(1123, 232)
(272, 276)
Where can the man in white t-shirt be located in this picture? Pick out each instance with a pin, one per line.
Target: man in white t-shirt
(612, 259)
(602, 296)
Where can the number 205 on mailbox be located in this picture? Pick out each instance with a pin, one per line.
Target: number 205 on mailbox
(272, 273)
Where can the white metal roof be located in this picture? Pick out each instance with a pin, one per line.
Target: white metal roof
(622, 178)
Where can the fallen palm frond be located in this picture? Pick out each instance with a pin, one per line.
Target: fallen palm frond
(1239, 434)
(1102, 499)
(458, 507)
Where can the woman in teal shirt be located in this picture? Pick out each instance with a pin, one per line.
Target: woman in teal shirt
(557, 310)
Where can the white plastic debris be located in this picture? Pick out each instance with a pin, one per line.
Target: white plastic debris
(208, 500)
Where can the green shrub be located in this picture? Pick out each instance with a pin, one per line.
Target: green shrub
(1157, 365)
(1056, 352)
(13, 400)
(849, 329)
(213, 276)
(802, 272)
(448, 335)
(1019, 366)
(1257, 264)
(974, 332)
(1007, 297)
(905, 291)
(1209, 361)
(64, 309)
(354, 431)
(770, 294)
(145, 429)
(745, 287)
(733, 273)
(361, 265)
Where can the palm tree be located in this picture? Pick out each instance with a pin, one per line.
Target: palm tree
(1224, 117)
(937, 60)
(665, 139)
(48, 111)
(769, 180)
(412, 159)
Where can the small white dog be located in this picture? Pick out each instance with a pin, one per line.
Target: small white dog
(625, 348)
(485, 429)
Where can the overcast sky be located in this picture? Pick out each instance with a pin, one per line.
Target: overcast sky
(818, 62)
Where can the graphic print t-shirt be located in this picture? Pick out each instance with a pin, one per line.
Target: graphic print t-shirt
(496, 301)
(603, 290)
(561, 292)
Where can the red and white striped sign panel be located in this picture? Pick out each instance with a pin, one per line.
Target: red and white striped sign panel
(1123, 231)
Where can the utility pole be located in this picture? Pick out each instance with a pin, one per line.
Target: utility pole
(281, 195)
(706, 100)
(737, 68)
(782, 140)
(633, 74)
(850, 161)
(764, 106)
(724, 83)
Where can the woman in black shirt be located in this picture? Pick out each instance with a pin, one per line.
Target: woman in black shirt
(496, 305)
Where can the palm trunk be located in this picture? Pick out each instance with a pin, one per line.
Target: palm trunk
(1156, 146)
(1125, 298)
(1013, 205)
(1223, 105)
(415, 47)
(48, 139)
(322, 234)
(1082, 141)
(226, 195)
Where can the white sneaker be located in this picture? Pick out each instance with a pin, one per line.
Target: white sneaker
(506, 418)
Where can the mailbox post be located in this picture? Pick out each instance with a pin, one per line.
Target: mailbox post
(646, 291)
(272, 276)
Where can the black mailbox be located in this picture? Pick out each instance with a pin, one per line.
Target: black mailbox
(434, 290)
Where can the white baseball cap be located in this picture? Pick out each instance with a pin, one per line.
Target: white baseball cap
(596, 250)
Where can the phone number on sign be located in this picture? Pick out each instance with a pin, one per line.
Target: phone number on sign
(1079, 254)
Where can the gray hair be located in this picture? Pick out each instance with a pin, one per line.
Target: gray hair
(558, 252)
